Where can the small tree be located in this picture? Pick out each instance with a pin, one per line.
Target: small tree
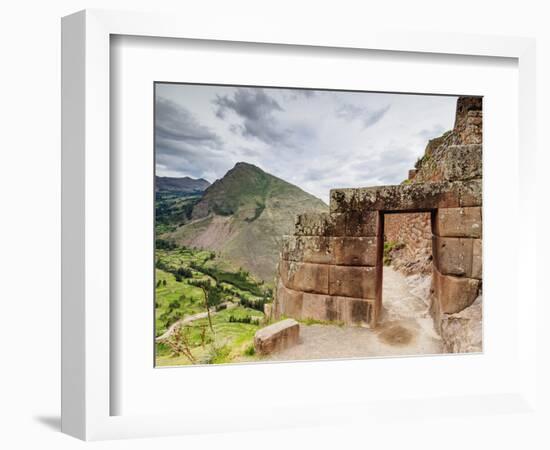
(212, 297)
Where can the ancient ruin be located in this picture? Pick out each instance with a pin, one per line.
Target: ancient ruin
(330, 269)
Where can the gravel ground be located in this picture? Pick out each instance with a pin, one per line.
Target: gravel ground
(405, 328)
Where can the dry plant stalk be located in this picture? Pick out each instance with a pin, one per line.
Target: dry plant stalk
(179, 344)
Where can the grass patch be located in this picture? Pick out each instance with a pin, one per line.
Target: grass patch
(310, 321)
(178, 294)
(229, 342)
(389, 247)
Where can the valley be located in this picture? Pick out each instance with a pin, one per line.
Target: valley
(182, 327)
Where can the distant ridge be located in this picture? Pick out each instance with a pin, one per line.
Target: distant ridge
(244, 215)
(185, 185)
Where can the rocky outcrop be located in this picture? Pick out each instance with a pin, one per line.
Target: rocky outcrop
(456, 155)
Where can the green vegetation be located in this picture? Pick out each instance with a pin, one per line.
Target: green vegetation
(208, 305)
(309, 321)
(228, 342)
(389, 247)
(173, 209)
(243, 216)
(187, 280)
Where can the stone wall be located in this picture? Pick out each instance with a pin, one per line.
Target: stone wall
(330, 269)
(456, 155)
(414, 232)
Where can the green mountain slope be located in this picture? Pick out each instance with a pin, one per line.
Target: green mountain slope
(243, 216)
(174, 200)
(183, 185)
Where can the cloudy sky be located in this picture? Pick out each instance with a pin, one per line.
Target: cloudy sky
(317, 140)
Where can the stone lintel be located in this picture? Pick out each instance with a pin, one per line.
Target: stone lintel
(407, 197)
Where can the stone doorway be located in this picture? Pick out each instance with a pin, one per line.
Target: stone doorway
(331, 268)
(405, 250)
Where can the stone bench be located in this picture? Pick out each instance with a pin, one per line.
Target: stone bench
(277, 337)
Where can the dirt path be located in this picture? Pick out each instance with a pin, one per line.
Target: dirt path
(405, 327)
(190, 319)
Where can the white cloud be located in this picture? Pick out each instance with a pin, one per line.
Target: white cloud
(317, 140)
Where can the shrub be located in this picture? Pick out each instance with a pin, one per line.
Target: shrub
(250, 350)
(245, 319)
(163, 244)
(217, 354)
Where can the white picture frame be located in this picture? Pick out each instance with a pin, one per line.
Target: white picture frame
(86, 221)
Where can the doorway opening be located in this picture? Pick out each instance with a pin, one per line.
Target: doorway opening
(406, 258)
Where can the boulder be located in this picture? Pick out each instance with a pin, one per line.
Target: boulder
(277, 337)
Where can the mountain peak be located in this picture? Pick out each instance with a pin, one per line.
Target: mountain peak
(244, 214)
(245, 165)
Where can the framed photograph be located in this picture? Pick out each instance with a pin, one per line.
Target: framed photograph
(301, 217)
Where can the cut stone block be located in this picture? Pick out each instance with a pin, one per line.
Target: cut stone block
(289, 302)
(337, 225)
(313, 249)
(453, 256)
(361, 223)
(350, 311)
(320, 307)
(477, 259)
(350, 281)
(277, 337)
(354, 251)
(454, 293)
(360, 311)
(458, 222)
(313, 224)
(305, 277)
